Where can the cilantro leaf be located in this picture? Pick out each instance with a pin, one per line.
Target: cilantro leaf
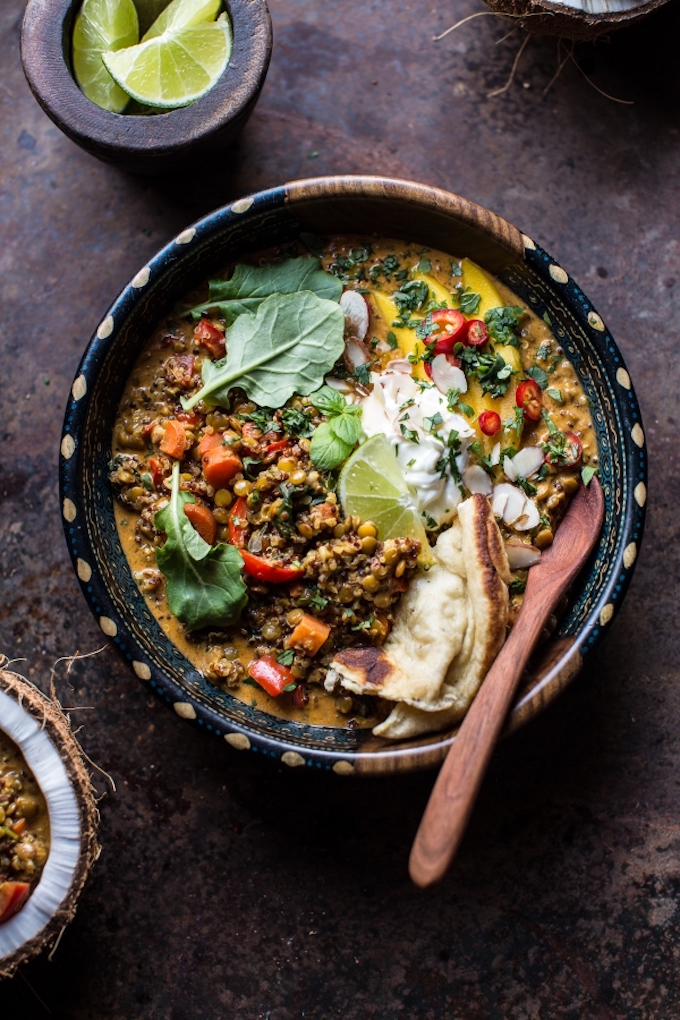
(588, 473)
(469, 302)
(538, 375)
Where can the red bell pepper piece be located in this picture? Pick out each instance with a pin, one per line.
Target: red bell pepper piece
(209, 336)
(238, 523)
(271, 573)
(156, 473)
(13, 895)
(271, 675)
(278, 445)
(530, 399)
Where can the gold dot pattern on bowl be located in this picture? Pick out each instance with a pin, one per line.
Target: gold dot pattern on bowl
(186, 236)
(640, 494)
(238, 740)
(108, 626)
(142, 670)
(79, 388)
(84, 570)
(141, 278)
(105, 328)
(630, 555)
(622, 378)
(68, 447)
(292, 759)
(595, 321)
(606, 614)
(558, 274)
(343, 768)
(184, 710)
(243, 205)
(68, 509)
(638, 436)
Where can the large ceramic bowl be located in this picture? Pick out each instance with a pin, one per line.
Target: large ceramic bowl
(350, 205)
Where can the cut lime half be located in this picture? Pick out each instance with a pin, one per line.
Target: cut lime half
(183, 14)
(372, 487)
(102, 26)
(176, 67)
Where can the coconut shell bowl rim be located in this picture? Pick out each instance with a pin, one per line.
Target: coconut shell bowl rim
(327, 205)
(168, 140)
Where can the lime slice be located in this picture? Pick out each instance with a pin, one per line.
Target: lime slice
(176, 67)
(372, 487)
(183, 14)
(102, 26)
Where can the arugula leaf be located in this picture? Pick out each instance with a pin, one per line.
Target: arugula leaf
(503, 324)
(250, 285)
(539, 375)
(287, 347)
(204, 584)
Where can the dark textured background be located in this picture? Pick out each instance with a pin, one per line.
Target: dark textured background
(228, 887)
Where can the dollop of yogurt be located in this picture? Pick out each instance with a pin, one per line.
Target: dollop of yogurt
(408, 413)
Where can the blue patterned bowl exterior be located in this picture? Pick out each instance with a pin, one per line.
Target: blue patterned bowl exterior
(341, 205)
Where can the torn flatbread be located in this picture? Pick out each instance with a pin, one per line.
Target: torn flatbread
(449, 627)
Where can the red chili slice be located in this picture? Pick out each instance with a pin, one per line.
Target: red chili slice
(530, 399)
(271, 675)
(275, 447)
(264, 570)
(156, 473)
(452, 327)
(572, 455)
(489, 422)
(477, 333)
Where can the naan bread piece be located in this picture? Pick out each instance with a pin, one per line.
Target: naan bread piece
(449, 627)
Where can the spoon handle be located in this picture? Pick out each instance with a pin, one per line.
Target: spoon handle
(452, 799)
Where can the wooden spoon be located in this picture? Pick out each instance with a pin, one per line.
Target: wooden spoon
(453, 796)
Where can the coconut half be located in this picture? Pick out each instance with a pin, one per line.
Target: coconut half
(574, 19)
(43, 735)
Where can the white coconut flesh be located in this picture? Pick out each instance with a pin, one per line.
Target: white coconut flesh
(42, 758)
(601, 6)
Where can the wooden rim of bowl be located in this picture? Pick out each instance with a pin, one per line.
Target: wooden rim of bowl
(56, 725)
(46, 33)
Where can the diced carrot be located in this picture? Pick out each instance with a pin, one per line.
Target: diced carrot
(174, 442)
(19, 826)
(203, 520)
(220, 465)
(309, 635)
(210, 441)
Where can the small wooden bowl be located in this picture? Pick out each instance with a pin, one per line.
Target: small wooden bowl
(148, 144)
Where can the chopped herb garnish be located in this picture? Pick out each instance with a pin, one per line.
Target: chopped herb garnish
(555, 394)
(286, 657)
(409, 434)
(469, 302)
(297, 423)
(433, 423)
(517, 587)
(503, 324)
(588, 473)
(392, 340)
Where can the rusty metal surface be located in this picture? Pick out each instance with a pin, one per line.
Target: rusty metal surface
(228, 888)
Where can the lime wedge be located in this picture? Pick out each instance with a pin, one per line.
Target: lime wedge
(102, 26)
(372, 487)
(183, 14)
(176, 67)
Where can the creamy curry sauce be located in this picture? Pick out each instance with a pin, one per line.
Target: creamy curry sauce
(572, 414)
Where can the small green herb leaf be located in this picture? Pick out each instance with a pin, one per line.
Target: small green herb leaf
(286, 657)
(503, 324)
(470, 302)
(588, 473)
(327, 451)
(538, 375)
(555, 394)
